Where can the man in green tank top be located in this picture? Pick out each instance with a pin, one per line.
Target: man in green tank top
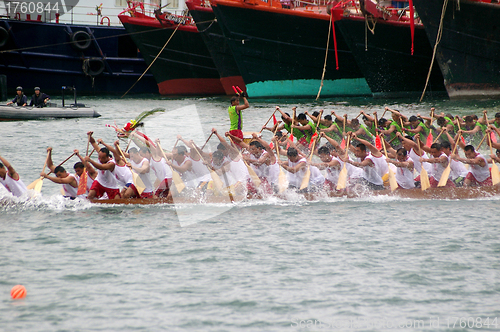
(235, 115)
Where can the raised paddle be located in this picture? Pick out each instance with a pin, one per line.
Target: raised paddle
(424, 176)
(442, 131)
(430, 138)
(378, 143)
(392, 177)
(481, 143)
(495, 174)
(282, 175)
(176, 178)
(291, 126)
(37, 184)
(342, 143)
(255, 179)
(268, 121)
(342, 181)
(208, 139)
(447, 170)
(215, 177)
(307, 175)
(357, 116)
(139, 185)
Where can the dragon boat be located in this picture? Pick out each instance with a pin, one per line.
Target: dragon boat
(429, 194)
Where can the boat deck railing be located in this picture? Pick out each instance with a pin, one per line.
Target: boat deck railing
(80, 14)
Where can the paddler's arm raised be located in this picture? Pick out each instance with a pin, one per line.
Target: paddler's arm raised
(334, 143)
(90, 170)
(92, 141)
(237, 140)
(103, 167)
(271, 156)
(12, 172)
(313, 118)
(50, 164)
(113, 150)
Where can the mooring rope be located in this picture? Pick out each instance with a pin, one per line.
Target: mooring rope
(152, 62)
(438, 40)
(326, 54)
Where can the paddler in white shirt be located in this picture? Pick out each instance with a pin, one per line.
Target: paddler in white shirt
(439, 163)
(140, 165)
(404, 169)
(81, 167)
(371, 177)
(296, 166)
(121, 171)
(105, 182)
(11, 179)
(69, 181)
(479, 171)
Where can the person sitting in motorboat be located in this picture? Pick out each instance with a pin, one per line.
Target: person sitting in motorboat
(39, 99)
(20, 99)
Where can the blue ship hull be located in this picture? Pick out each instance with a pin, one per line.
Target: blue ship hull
(98, 60)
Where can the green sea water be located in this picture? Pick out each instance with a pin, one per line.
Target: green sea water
(336, 264)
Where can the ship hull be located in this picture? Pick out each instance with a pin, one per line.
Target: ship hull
(386, 61)
(184, 66)
(43, 54)
(213, 37)
(285, 56)
(469, 48)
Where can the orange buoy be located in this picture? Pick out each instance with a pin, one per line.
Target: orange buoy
(18, 292)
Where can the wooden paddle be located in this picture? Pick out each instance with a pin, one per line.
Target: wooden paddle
(139, 185)
(37, 184)
(255, 179)
(495, 174)
(342, 143)
(481, 143)
(392, 177)
(378, 143)
(424, 176)
(282, 176)
(208, 139)
(342, 181)
(176, 178)
(307, 175)
(447, 170)
(442, 131)
(430, 137)
(215, 177)
(267, 121)
(291, 127)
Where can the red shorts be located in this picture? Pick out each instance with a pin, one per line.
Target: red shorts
(238, 133)
(434, 183)
(143, 195)
(164, 188)
(100, 190)
(475, 182)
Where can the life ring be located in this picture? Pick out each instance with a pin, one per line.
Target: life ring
(4, 36)
(93, 66)
(81, 40)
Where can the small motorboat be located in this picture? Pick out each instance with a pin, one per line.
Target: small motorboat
(51, 111)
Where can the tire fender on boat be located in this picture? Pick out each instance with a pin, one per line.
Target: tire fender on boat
(4, 36)
(93, 66)
(81, 40)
